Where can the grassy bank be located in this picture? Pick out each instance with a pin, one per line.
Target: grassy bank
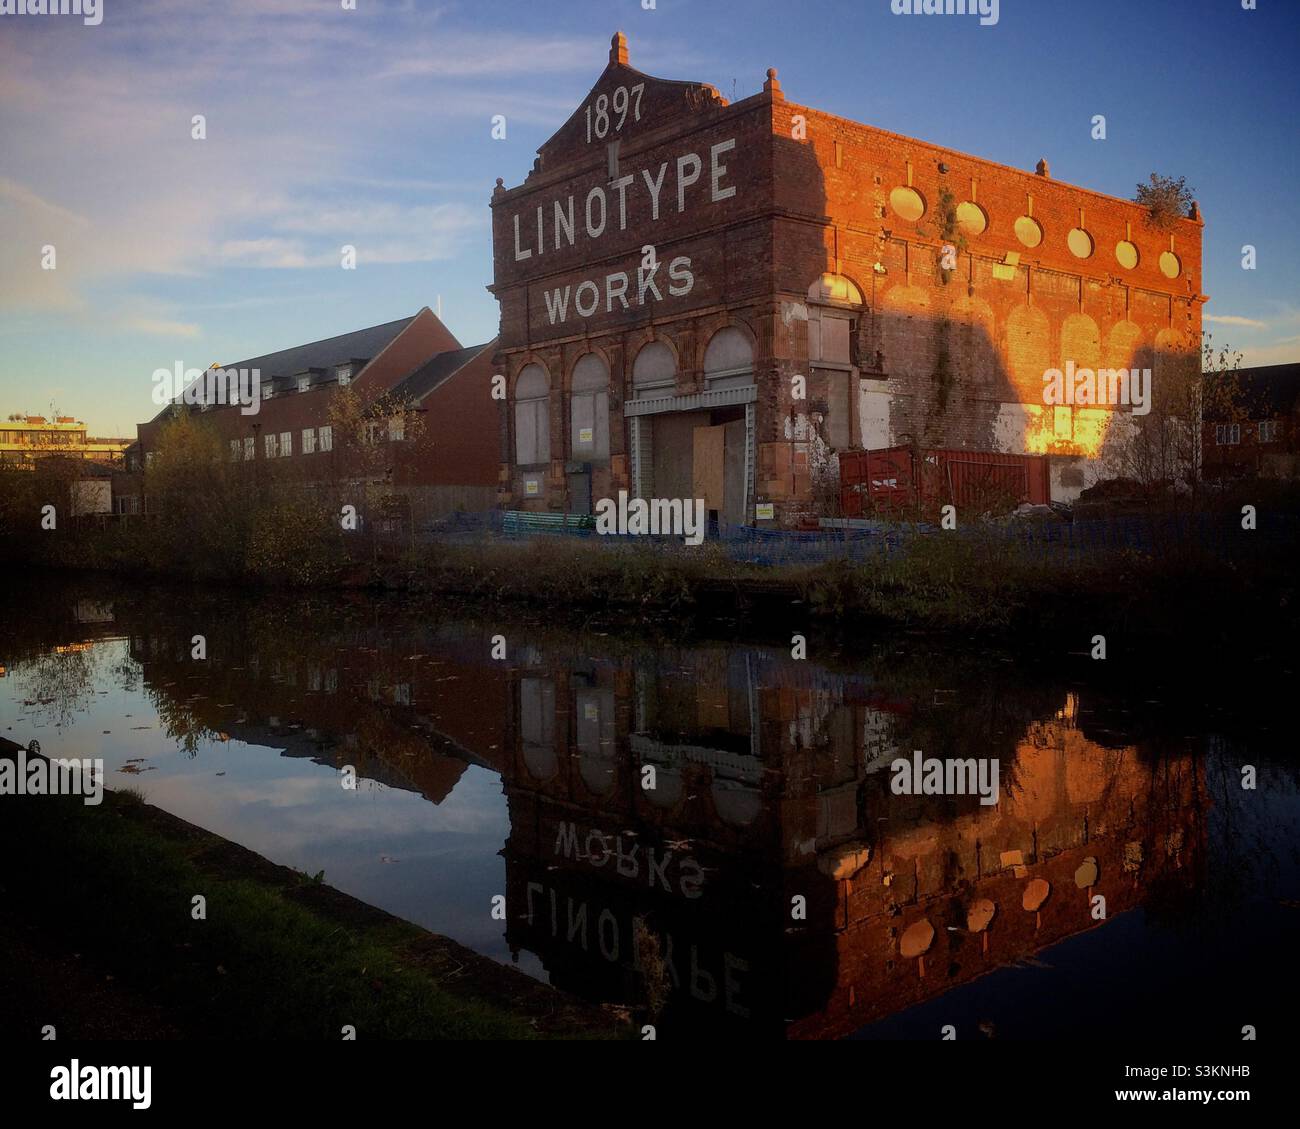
(109, 889)
(982, 579)
(937, 583)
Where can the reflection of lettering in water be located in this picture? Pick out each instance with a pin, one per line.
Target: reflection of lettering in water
(627, 862)
(930, 776)
(610, 935)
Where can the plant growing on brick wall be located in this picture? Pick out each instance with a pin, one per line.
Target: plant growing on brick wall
(942, 375)
(949, 231)
(1166, 200)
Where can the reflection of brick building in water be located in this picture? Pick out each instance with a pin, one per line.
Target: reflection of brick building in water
(399, 713)
(771, 782)
(673, 261)
(778, 789)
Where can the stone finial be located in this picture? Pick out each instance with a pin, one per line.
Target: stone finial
(618, 49)
(1195, 212)
(772, 86)
(1043, 169)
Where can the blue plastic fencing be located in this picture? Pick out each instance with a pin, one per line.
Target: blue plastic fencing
(1077, 541)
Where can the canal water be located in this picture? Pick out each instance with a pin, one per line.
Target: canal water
(696, 821)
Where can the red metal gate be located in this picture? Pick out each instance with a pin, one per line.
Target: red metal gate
(890, 479)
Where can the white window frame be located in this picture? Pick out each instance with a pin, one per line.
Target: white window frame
(1227, 434)
(236, 450)
(286, 444)
(304, 383)
(1270, 430)
(308, 440)
(250, 448)
(270, 444)
(326, 438)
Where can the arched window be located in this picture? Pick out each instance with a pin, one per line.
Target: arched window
(532, 417)
(834, 304)
(654, 372)
(589, 409)
(729, 360)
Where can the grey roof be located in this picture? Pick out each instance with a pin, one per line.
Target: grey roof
(1267, 391)
(1271, 388)
(435, 371)
(279, 369)
(360, 344)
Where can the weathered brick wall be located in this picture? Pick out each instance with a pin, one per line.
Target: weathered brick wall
(957, 351)
(961, 353)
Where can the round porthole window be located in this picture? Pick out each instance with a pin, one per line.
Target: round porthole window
(1126, 254)
(907, 203)
(971, 218)
(1029, 231)
(1080, 243)
(1170, 266)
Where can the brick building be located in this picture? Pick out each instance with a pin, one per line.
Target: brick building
(1261, 435)
(710, 299)
(434, 451)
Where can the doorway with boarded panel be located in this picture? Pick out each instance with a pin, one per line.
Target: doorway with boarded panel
(685, 447)
(699, 445)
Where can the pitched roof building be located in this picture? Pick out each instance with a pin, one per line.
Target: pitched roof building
(409, 368)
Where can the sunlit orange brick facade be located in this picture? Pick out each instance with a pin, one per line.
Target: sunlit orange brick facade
(811, 312)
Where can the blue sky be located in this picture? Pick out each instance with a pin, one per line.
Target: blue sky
(372, 128)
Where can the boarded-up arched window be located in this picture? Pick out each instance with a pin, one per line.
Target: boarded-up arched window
(536, 726)
(532, 417)
(589, 409)
(729, 360)
(654, 372)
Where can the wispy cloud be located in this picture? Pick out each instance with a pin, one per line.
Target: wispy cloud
(161, 327)
(123, 191)
(1233, 319)
(1259, 356)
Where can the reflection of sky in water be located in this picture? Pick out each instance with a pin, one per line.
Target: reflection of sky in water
(1201, 965)
(445, 867)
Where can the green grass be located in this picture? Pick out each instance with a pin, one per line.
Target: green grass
(276, 956)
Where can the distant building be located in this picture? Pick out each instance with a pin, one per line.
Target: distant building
(25, 438)
(437, 454)
(1263, 438)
